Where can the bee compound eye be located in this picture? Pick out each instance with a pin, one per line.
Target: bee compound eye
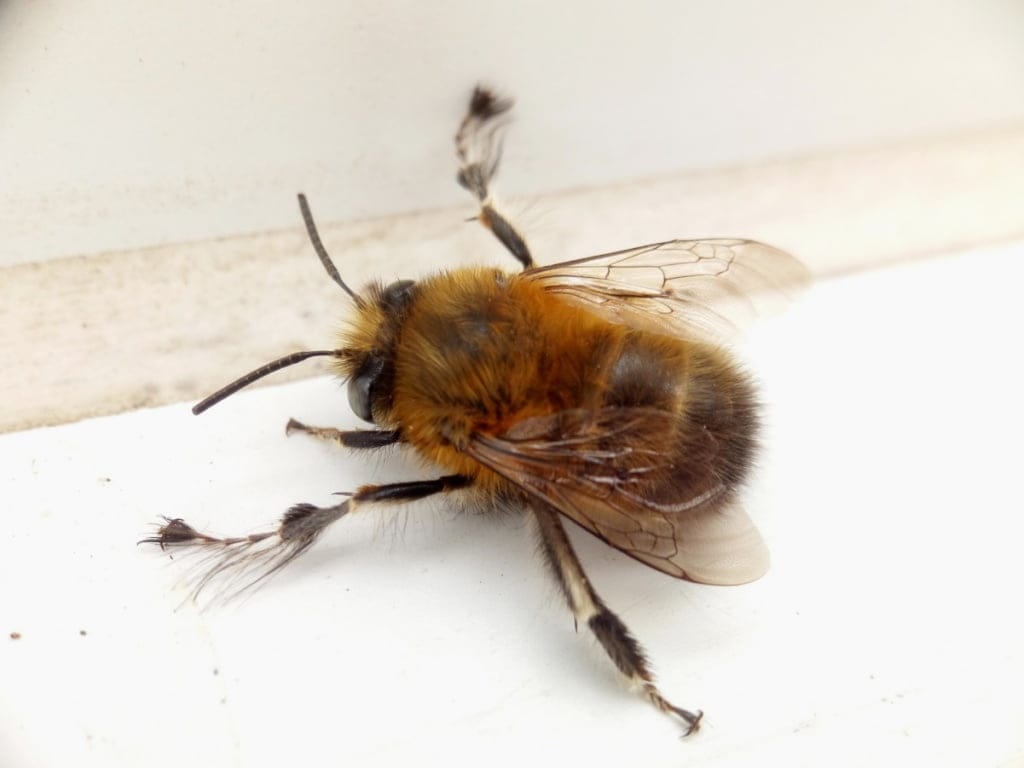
(360, 388)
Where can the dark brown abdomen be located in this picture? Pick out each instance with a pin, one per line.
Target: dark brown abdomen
(713, 399)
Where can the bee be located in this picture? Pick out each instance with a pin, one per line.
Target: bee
(597, 390)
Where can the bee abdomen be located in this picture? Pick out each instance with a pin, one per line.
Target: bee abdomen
(714, 401)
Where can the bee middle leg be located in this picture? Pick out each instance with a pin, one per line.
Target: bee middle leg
(589, 609)
(350, 438)
(478, 146)
(251, 558)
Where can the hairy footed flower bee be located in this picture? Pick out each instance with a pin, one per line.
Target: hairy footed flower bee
(597, 389)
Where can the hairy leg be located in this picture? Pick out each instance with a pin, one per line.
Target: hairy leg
(244, 561)
(588, 609)
(478, 146)
(354, 438)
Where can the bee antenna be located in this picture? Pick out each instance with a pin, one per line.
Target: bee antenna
(318, 246)
(259, 373)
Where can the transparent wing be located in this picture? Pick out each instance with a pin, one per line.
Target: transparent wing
(705, 290)
(612, 472)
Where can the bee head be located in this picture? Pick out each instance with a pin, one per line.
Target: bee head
(368, 352)
(366, 358)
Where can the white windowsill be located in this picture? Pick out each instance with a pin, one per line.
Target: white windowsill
(885, 634)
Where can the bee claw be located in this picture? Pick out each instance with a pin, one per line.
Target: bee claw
(692, 720)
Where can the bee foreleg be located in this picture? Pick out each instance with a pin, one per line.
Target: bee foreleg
(355, 438)
(478, 146)
(590, 610)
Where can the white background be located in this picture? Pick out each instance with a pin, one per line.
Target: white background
(888, 631)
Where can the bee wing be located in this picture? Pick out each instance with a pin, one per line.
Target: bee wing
(622, 490)
(704, 290)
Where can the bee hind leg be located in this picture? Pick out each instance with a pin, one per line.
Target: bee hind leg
(590, 610)
(354, 438)
(478, 147)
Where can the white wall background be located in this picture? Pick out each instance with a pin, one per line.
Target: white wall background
(125, 124)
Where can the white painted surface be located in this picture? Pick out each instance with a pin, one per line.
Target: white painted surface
(126, 124)
(887, 633)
